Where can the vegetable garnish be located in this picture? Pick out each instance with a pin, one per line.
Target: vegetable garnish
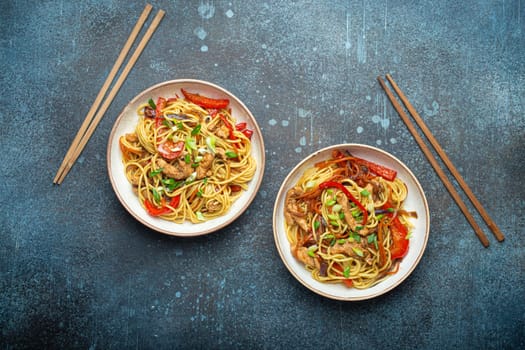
(191, 144)
(196, 130)
(152, 103)
(231, 154)
(380, 170)
(343, 189)
(161, 104)
(205, 102)
(400, 242)
(155, 172)
(163, 209)
(200, 216)
(210, 142)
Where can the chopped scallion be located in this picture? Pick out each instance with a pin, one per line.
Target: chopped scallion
(346, 272)
(156, 195)
(333, 216)
(210, 142)
(191, 144)
(155, 172)
(152, 103)
(330, 202)
(191, 178)
(365, 193)
(196, 130)
(358, 251)
(337, 208)
(231, 154)
(311, 250)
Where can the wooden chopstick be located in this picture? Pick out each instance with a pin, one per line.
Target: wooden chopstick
(419, 121)
(90, 124)
(116, 66)
(434, 164)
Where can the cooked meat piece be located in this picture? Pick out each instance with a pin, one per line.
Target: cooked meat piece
(220, 153)
(301, 254)
(223, 132)
(220, 130)
(343, 201)
(292, 212)
(347, 248)
(203, 169)
(179, 170)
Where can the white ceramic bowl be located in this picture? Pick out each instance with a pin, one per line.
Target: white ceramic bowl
(416, 200)
(127, 122)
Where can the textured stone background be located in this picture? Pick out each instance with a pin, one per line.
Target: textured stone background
(77, 271)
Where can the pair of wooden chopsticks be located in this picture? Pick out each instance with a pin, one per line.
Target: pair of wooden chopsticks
(91, 120)
(490, 223)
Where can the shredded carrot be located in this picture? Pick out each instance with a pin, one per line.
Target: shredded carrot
(317, 207)
(393, 272)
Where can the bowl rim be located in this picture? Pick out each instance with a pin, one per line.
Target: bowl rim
(247, 114)
(280, 196)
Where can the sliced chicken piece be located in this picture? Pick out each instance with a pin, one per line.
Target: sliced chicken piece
(179, 169)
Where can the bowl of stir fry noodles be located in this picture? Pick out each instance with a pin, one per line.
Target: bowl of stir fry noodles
(186, 157)
(351, 222)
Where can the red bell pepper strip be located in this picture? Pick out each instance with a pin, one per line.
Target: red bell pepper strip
(228, 125)
(161, 104)
(206, 102)
(380, 170)
(175, 201)
(398, 232)
(155, 211)
(248, 133)
(235, 188)
(242, 128)
(340, 186)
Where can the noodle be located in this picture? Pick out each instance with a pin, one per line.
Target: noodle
(187, 162)
(346, 223)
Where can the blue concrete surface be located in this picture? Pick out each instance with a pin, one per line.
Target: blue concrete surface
(77, 271)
